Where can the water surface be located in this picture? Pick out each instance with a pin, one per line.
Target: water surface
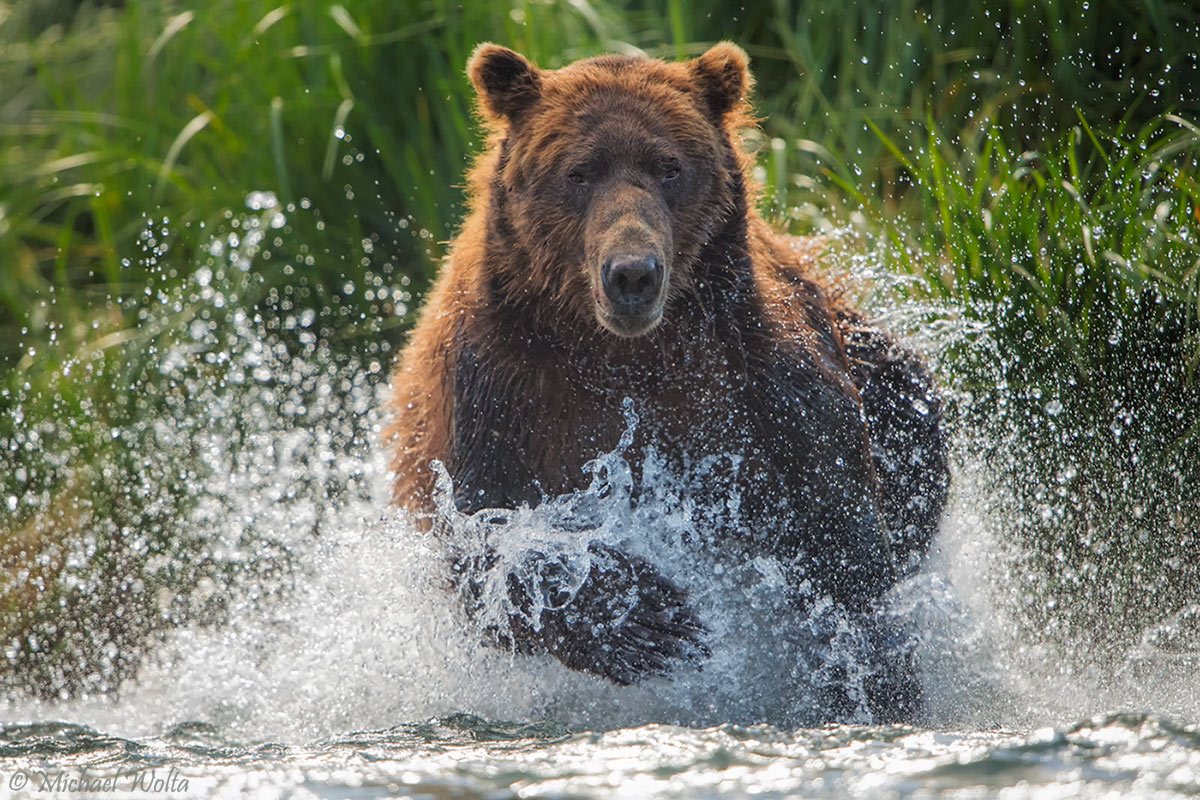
(1121, 755)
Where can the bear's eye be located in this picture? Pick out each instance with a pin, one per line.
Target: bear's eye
(577, 176)
(670, 169)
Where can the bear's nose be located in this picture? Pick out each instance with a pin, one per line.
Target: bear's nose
(632, 283)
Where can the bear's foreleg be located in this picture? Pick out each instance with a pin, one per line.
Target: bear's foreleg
(625, 621)
(620, 620)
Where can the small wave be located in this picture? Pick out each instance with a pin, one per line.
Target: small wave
(462, 755)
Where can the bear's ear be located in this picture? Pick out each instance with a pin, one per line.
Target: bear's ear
(505, 81)
(723, 75)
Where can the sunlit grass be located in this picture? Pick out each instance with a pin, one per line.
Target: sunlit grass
(1082, 261)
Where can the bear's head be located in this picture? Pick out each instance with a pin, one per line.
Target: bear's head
(606, 179)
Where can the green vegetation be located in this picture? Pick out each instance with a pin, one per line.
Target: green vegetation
(1082, 262)
(191, 179)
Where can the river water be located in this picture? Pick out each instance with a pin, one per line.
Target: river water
(461, 756)
(351, 672)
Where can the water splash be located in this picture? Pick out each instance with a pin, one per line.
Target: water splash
(341, 614)
(371, 631)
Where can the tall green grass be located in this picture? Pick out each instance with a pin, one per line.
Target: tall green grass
(1082, 262)
(823, 71)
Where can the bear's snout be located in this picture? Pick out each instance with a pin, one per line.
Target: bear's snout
(627, 242)
(632, 294)
(632, 284)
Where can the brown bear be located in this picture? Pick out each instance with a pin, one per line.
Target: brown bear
(613, 250)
